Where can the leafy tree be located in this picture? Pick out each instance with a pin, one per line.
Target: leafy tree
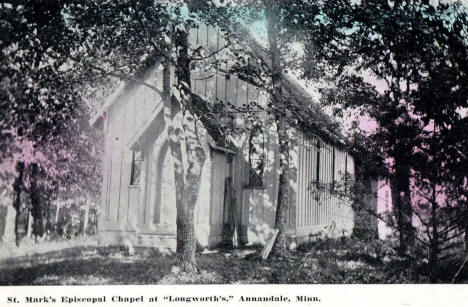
(419, 51)
(41, 105)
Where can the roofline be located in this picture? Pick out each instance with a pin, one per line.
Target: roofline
(150, 62)
(135, 138)
(259, 51)
(108, 102)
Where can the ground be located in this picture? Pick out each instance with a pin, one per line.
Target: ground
(324, 261)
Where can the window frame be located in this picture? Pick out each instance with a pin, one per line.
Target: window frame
(135, 181)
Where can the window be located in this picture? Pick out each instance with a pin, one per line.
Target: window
(256, 157)
(136, 167)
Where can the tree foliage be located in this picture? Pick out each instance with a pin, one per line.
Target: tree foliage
(44, 120)
(417, 53)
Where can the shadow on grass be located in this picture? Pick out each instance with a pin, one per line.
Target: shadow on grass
(113, 266)
(86, 270)
(326, 262)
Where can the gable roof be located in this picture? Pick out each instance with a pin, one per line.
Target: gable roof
(308, 115)
(121, 89)
(310, 118)
(216, 135)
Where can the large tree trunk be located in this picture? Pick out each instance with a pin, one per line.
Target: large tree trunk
(185, 129)
(37, 204)
(173, 122)
(282, 205)
(17, 188)
(283, 188)
(401, 203)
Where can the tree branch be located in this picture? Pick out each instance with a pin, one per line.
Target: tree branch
(128, 78)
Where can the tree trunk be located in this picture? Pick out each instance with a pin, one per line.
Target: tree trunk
(29, 225)
(173, 122)
(9, 235)
(17, 188)
(57, 211)
(283, 188)
(401, 203)
(37, 204)
(196, 156)
(282, 205)
(3, 220)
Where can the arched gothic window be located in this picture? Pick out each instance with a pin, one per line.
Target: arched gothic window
(135, 172)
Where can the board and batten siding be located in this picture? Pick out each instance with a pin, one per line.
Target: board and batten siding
(214, 87)
(309, 210)
(317, 209)
(120, 202)
(130, 208)
(219, 172)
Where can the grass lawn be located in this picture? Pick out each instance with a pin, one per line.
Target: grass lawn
(326, 261)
